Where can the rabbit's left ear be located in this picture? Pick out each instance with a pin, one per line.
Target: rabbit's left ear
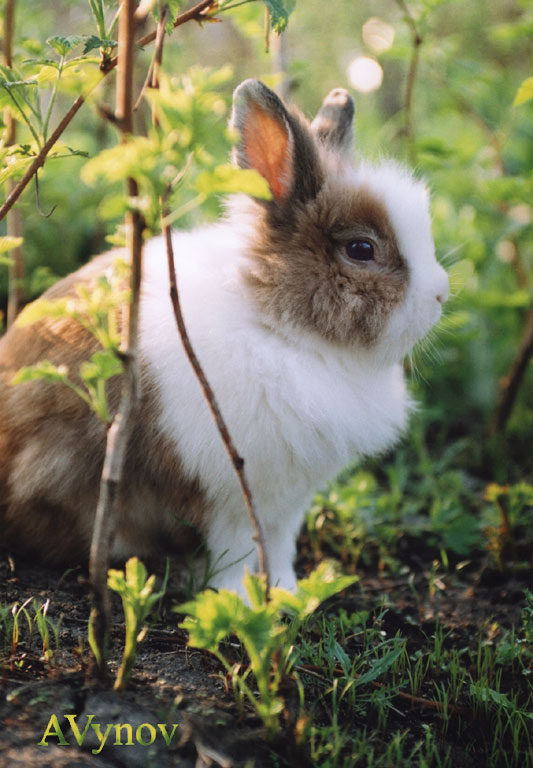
(266, 140)
(333, 124)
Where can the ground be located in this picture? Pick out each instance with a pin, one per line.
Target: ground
(172, 683)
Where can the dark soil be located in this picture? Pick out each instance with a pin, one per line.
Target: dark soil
(173, 684)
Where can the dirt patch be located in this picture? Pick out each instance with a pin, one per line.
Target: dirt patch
(175, 685)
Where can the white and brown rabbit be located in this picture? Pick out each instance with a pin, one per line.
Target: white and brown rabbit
(300, 309)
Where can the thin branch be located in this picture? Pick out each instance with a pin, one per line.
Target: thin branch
(38, 200)
(411, 77)
(236, 459)
(510, 384)
(194, 13)
(119, 433)
(14, 220)
(267, 29)
(152, 77)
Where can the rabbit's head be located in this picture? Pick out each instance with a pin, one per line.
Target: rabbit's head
(341, 250)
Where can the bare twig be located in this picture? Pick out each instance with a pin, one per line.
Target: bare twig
(152, 78)
(120, 430)
(411, 77)
(267, 29)
(14, 220)
(195, 13)
(38, 200)
(510, 384)
(236, 459)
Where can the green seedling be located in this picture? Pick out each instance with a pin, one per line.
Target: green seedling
(138, 599)
(16, 612)
(267, 627)
(44, 625)
(97, 310)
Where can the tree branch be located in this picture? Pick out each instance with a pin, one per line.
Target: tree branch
(194, 13)
(14, 220)
(411, 78)
(121, 428)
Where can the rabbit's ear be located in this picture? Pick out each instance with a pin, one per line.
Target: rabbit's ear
(333, 124)
(266, 141)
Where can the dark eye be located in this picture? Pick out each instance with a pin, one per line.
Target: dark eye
(359, 250)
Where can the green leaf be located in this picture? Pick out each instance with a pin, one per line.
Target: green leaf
(213, 616)
(173, 9)
(226, 179)
(15, 166)
(380, 666)
(102, 366)
(93, 41)
(40, 309)
(524, 93)
(280, 10)
(322, 583)
(255, 586)
(45, 370)
(64, 45)
(7, 243)
(122, 161)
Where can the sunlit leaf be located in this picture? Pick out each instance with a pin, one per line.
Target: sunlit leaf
(524, 93)
(45, 370)
(226, 179)
(213, 616)
(7, 243)
(41, 309)
(64, 45)
(102, 366)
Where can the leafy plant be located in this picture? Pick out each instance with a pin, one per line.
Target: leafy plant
(97, 310)
(138, 599)
(266, 635)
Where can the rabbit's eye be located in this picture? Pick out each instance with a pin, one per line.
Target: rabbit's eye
(359, 250)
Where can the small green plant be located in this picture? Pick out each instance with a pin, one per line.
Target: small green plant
(266, 627)
(11, 618)
(138, 599)
(97, 310)
(44, 624)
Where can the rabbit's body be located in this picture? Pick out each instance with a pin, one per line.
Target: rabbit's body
(301, 342)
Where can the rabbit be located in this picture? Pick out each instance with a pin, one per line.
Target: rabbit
(300, 308)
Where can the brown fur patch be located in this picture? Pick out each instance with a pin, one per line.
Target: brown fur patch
(52, 449)
(298, 276)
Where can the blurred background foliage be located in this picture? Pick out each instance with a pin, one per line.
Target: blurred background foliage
(435, 83)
